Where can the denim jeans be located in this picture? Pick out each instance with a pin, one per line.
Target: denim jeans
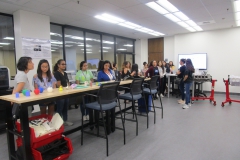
(62, 108)
(84, 112)
(181, 87)
(187, 92)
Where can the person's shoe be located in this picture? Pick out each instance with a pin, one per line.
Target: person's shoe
(87, 117)
(185, 106)
(189, 104)
(66, 123)
(157, 95)
(84, 118)
(162, 96)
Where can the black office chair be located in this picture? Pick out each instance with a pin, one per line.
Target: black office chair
(136, 92)
(107, 99)
(151, 90)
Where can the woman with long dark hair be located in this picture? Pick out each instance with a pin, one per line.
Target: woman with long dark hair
(126, 70)
(44, 78)
(82, 76)
(152, 70)
(162, 72)
(188, 79)
(105, 74)
(62, 80)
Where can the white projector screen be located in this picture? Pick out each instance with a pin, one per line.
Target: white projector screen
(199, 60)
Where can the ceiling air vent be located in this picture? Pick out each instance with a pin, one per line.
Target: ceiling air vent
(206, 22)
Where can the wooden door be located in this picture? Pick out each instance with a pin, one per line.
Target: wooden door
(155, 49)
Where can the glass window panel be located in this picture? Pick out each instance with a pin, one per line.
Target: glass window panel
(7, 47)
(124, 45)
(56, 43)
(74, 48)
(93, 46)
(108, 48)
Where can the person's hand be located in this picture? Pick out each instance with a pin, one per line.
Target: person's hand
(133, 73)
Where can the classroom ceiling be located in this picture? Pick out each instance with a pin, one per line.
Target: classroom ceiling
(81, 13)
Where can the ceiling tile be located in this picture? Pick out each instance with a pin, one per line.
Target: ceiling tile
(65, 14)
(17, 2)
(73, 6)
(123, 3)
(99, 5)
(138, 10)
(223, 8)
(38, 6)
(9, 7)
(53, 2)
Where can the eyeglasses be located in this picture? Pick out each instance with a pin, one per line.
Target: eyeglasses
(63, 64)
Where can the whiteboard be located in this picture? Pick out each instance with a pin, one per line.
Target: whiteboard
(199, 60)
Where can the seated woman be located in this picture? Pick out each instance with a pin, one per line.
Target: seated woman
(105, 74)
(126, 70)
(135, 70)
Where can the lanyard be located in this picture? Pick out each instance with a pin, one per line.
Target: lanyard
(85, 75)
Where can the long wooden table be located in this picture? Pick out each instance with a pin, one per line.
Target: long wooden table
(23, 114)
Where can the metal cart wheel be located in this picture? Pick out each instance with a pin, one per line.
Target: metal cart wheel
(214, 103)
(210, 101)
(222, 105)
(192, 102)
(230, 102)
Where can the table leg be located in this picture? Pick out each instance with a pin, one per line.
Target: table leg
(10, 136)
(168, 85)
(108, 125)
(27, 153)
(193, 88)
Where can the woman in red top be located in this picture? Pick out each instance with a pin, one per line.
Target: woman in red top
(152, 70)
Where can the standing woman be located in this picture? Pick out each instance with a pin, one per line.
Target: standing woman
(21, 82)
(162, 72)
(171, 66)
(82, 76)
(44, 78)
(180, 74)
(152, 70)
(105, 74)
(188, 79)
(62, 80)
(145, 68)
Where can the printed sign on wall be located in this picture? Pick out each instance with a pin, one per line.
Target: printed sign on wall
(36, 48)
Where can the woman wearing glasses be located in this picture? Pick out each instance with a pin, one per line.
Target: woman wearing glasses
(62, 80)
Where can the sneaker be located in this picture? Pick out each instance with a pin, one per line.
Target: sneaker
(84, 118)
(185, 106)
(66, 123)
(87, 117)
(189, 104)
(157, 95)
(161, 95)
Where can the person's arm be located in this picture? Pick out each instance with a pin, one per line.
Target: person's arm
(19, 88)
(54, 81)
(185, 76)
(99, 77)
(35, 85)
(77, 78)
(146, 73)
(91, 76)
(133, 73)
(58, 79)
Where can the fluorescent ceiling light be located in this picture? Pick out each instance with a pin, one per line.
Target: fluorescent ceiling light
(133, 24)
(146, 29)
(126, 25)
(56, 42)
(159, 33)
(103, 51)
(76, 37)
(121, 49)
(56, 45)
(4, 44)
(89, 52)
(105, 19)
(141, 30)
(107, 47)
(86, 45)
(128, 45)
(183, 24)
(154, 34)
(68, 45)
(112, 17)
(53, 50)
(157, 8)
(108, 42)
(191, 29)
(236, 4)
(167, 5)
(55, 34)
(172, 17)
(237, 16)
(181, 15)
(9, 38)
(86, 49)
(191, 23)
(198, 28)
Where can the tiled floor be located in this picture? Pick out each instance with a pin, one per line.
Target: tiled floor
(203, 132)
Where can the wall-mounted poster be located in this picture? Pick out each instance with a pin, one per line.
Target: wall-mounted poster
(36, 48)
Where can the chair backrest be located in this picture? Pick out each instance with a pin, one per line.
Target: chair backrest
(136, 86)
(153, 82)
(108, 92)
